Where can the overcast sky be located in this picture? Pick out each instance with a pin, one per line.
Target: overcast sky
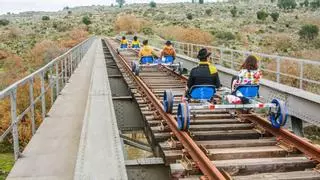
(17, 6)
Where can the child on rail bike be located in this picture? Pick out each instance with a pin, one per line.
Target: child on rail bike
(168, 50)
(146, 51)
(123, 42)
(135, 43)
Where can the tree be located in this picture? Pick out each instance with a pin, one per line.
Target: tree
(201, 1)
(4, 22)
(309, 32)
(86, 20)
(45, 18)
(272, 1)
(234, 11)
(69, 12)
(287, 4)
(306, 3)
(274, 16)
(153, 4)
(121, 2)
(262, 15)
(189, 16)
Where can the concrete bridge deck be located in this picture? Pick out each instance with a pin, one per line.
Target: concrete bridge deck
(52, 152)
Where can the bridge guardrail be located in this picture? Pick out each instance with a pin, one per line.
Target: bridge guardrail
(299, 73)
(53, 77)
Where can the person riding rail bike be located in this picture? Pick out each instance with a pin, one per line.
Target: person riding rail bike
(249, 76)
(146, 53)
(168, 51)
(135, 43)
(123, 42)
(205, 73)
(249, 73)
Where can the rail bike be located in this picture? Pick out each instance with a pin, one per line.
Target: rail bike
(151, 62)
(202, 97)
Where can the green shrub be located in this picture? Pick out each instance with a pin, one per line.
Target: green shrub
(274, 16)
(153, 4)
(86, 20)
(309, 31)
(45, 18)
(4, 22)
(262, 15)
(225, 35)
(234, 11)
(209, 12)
(306, 3)
(189, 16)
(315, 4)
(201, 1)
(287, 4)
(147, 31)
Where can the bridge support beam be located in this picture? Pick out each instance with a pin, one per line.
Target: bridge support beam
(296, 125)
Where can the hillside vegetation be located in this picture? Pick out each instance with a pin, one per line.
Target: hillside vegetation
(31, 39)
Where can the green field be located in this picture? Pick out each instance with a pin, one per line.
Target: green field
(6, 163)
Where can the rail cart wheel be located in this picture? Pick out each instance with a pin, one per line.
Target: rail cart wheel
(168, 101)
(133, 66)
(180, 68)
(183, 116)
(137, 70)
(279, 117)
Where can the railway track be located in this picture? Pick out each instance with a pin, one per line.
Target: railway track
(219, 144)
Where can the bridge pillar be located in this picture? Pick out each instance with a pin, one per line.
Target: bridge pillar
(296, 125)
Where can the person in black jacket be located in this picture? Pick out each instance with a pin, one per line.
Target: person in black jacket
(205, 73)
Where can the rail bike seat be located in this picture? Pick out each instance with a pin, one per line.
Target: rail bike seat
(202, 92)
(247, 91)
(122, 46)
(168, 59)
(136, 46)
(146, 60)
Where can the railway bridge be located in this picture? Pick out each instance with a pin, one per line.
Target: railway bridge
(92, 106)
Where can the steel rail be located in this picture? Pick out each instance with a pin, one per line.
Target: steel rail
(201, 160)
(283, 134)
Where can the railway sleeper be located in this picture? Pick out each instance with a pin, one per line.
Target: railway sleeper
(245, 167)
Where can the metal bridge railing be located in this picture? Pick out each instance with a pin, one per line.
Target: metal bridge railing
(299, 73)
(53, 77)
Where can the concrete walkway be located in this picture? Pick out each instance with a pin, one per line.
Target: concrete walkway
(100, 151)
(52, 152)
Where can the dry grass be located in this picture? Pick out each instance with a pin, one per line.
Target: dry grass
(190, 35)
(14, 68)
(130, 23)
(74, 37)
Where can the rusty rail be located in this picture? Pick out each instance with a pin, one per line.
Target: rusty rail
(201, 160)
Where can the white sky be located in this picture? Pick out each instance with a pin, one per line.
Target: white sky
(17, 6)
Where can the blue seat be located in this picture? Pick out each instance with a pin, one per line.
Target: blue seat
(124, 46)
(135, 46)
(248, 91)
(202, 92)
(168, 59)
(146, 60)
